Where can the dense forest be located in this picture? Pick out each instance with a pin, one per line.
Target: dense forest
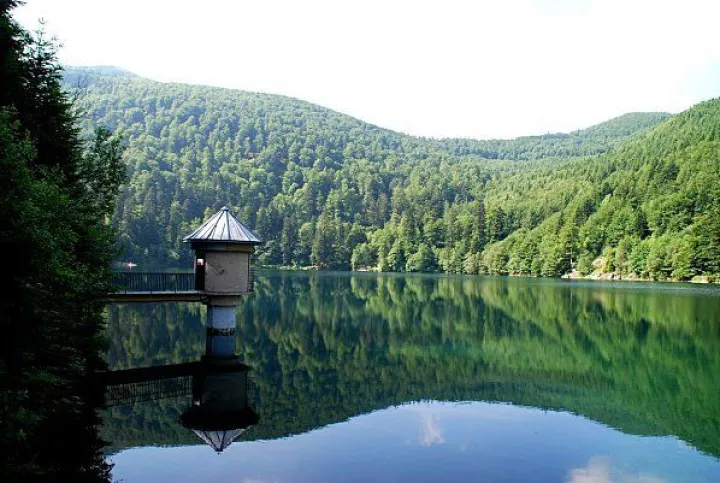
(57, 193)
(326, 348)
(637, 196)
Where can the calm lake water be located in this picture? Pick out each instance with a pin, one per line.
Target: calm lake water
(374, 378)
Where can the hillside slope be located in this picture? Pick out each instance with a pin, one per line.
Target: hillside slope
(597, 139)
(192, 149)
(328, 190)
(651, 208)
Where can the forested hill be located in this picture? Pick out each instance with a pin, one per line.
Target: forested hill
(328, 190)
(593, 140)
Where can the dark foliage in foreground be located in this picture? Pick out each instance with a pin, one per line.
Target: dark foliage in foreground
(57, 248)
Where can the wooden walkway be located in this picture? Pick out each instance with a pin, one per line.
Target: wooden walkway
(154, 287)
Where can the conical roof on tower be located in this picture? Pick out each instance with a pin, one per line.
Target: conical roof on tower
(223, 227)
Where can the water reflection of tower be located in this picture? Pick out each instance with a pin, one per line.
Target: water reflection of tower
(220, 411)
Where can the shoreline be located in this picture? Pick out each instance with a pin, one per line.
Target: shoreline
(602, 277)
(616, 277)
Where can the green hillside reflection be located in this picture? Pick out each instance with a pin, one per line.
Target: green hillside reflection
(644, 359)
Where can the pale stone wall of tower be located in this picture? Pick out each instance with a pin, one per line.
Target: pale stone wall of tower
(227, 272)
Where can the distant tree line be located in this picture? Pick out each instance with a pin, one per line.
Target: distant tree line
(636, 196)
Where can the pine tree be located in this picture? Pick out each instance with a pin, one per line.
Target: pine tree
(478, 234)
(57, 196)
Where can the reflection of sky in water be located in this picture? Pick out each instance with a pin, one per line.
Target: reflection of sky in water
(430, 431)
(601, 471)
(435, 442)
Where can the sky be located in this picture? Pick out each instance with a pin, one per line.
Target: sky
(478, 69)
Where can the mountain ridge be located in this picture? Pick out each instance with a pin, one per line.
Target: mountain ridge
(636, 195)
(72, 73)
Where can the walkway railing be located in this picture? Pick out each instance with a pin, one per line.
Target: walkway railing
(131, 393)
(148, 282)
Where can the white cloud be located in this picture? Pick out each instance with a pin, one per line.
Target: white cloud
(452, 68)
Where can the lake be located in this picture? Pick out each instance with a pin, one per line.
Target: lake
(367, 377)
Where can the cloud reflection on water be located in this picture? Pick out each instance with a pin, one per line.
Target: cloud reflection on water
(431, 433)
(598, 470)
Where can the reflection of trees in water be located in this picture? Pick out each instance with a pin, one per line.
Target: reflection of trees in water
(324, 348)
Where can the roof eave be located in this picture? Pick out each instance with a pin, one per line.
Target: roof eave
(225, 242)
